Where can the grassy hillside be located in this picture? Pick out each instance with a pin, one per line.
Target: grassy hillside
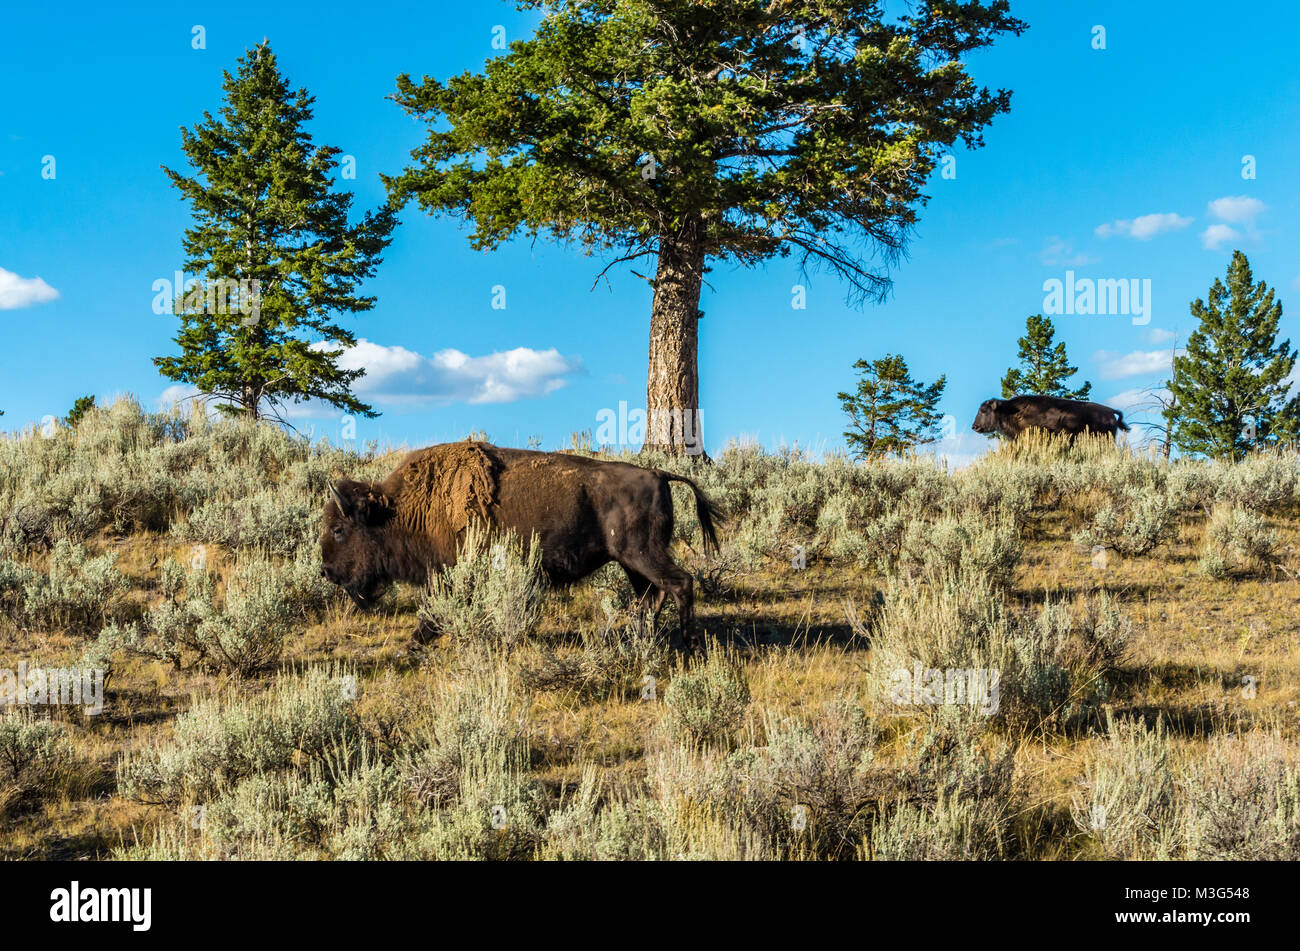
(1141, 618)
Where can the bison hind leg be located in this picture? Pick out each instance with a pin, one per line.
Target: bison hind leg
(648, 595)
(663, 573)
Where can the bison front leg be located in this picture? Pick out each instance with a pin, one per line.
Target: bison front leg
(424, 633)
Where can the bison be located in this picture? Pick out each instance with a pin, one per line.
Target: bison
(1012, 417)
(585, 512)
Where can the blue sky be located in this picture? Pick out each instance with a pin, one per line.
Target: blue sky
(1116, 163)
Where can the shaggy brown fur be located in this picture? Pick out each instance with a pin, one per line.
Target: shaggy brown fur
(585, 512)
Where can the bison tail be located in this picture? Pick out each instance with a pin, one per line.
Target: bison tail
(1119, 419)
(707, 511)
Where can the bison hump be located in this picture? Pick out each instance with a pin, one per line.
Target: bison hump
(449, 484)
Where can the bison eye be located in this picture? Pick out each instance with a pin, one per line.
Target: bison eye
(339, 532)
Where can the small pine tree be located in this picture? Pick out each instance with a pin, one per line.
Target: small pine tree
(1230, 385)
(272, 237)
(1044, 367)
(80, 408)
(890, 412)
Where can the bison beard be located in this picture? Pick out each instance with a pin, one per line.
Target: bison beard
(585, 512)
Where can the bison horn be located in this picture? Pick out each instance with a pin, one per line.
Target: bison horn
(338, 499)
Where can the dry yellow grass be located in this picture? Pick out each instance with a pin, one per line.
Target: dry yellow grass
(1194, 639)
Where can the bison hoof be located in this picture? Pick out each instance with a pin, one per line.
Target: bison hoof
(412, 648)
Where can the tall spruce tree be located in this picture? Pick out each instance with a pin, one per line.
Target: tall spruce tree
(1230, 386)
(273, 251)
(691, 132)
(1044, 366)
(890, 412)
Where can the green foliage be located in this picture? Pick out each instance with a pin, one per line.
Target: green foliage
(747, 114)
(890, 412)
(80, 408)
(269, 223)
(1230, 387)
(1044, 366)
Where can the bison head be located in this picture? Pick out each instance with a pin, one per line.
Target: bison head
(986, 420)
(352, 543)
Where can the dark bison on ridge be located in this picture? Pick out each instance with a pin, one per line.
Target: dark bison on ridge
(585, 512)
(1012, 417)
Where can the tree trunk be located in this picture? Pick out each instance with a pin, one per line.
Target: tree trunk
(673, 382)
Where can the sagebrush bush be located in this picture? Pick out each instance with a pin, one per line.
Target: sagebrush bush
(1128, 800)
(292, 776)
(1143, 518)
(243, 633)
(981, 543)
(707, 702)
(78, 594)
(36, 761)
(224, 739)
(947, 643)
(125, 470)
(1242, 800)
(620, 661)
(1237, 800)
(954, 799)
(1238, 541)
(492, 595)
(275, 521)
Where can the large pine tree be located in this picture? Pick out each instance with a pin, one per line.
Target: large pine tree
(890, 412)
(1230, 386)
(268, 220)
(692, 132)
(1044, 366)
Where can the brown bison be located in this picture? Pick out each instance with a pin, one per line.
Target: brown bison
(585, 512)
(1012, 417)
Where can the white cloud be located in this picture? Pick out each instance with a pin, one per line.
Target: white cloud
(183, 393)
(397, 375)
(1239, 209)
(1215, 235)
(1117, 366)
(1058, 253)
(1156, 335)
(176, 393)
(18, 291)
(1144, 227)
(960, 449)
(1129, 401)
